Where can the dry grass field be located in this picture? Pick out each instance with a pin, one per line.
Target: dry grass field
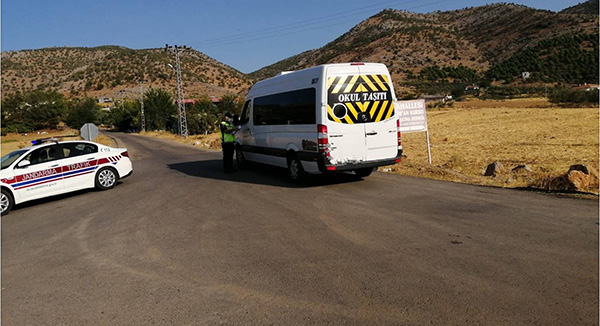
(472, 134)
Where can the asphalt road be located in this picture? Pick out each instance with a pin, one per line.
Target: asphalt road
(181, 243)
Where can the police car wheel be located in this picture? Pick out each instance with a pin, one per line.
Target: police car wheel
(106, 178)
(362, 173)
(6, 202)
(295, 170)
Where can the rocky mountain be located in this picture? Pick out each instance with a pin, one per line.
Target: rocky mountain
(494, 41)
(476, 38)
(112, 71)
(585, 8)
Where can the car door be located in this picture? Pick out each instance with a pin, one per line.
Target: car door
(78, 166)
(361, 114)
(42, 176)
(381, 132)
(345, 118)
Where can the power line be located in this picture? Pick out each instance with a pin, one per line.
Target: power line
(304, 23)
(299, 27)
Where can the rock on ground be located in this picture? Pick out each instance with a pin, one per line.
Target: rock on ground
(494, 169)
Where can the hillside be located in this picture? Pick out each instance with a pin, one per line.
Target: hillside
(111, 71)
(404, 41)
(474, 38)
(585, 8)
(424, 52)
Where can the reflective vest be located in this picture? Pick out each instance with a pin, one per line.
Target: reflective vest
(227, 137)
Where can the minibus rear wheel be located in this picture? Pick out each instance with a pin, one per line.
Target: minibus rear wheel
(295, 170)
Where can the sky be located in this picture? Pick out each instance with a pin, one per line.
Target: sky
(246, 35)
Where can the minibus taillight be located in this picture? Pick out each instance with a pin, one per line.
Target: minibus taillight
(323, 139)
(399, 134)
(125, 154)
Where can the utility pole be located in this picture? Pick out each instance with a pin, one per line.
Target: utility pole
(183, 131)
(142, 117)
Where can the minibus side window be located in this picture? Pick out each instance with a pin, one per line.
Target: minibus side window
(288, 108)
(244, 117)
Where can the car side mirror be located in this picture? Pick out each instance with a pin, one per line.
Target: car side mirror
(23, 163)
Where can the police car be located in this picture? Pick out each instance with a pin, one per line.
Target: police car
(50, 167)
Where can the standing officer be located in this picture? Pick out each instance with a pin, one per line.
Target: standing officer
(227, 142)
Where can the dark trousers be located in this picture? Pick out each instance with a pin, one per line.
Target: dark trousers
(227, 156)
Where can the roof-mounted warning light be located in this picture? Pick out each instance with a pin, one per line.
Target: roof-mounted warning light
(44, 140)
(357, 64)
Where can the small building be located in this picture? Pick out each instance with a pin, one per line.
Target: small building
(587, 87)
(216, 100)
(192, 101)
(434, 98)
(472, 88)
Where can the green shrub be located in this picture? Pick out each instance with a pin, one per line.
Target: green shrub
(562, 94)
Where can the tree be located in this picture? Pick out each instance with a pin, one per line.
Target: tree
(35, 110)
(83, 111)
(564, 94)
(159, 110)
(125, 116)
(203, 117)
(232, 103)
(458, 91)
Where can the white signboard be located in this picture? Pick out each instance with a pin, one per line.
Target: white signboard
(413, 118)
(412, 114)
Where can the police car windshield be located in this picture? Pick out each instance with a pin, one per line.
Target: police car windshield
(8, 159)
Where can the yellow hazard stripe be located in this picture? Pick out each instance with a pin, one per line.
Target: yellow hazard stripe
(351, 84)
(353, 111)
(374, 108)
(348, 120)
(330, 111)
(385, 78)
(383, 107)
(383, 87)
(339, 85)
(330, 81)
(363, 106)
(390, 113)
(368, 81)
(361, 89)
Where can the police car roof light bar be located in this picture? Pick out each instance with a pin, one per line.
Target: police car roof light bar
(44, 140)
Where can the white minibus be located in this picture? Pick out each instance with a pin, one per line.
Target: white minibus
(328, 118)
